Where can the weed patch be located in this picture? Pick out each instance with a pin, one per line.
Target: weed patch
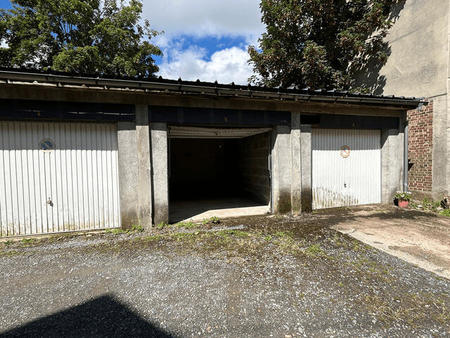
(314, 250)
(187, 225)
(9, 253)
(162, 225)
(119, 231)
(416, 309)
(213, 220)
(445, 212)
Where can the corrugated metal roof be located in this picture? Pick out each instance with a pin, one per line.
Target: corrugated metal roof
(200, 87)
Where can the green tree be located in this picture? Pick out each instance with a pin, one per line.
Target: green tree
(320, 43)
(103, 37)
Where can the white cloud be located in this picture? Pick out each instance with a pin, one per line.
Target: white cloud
(225, 66)
(205, 17)
(182, 20)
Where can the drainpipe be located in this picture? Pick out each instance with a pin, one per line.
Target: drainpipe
(405, 157)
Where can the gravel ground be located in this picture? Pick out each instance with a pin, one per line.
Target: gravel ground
(245, 277)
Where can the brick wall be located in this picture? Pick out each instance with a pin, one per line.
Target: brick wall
(420, 144)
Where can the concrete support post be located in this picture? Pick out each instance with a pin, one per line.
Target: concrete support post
(143, 182)
(306, 167)
(128, 173)
(134, 170)
(160, 166)
(296, 178)
(441, 147)
(391, 163)
(281, 169)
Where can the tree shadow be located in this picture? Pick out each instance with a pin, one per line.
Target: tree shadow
(101, 317)
(369, 76)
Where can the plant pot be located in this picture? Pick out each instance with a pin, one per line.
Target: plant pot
(403, 204)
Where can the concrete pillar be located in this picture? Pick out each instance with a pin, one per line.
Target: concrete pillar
(160, 166)
(134, 170)
(296, 178)
(143, 182)
(128, 173)
(391, 163)
(306, 168)
(441, 147)
(281, 169)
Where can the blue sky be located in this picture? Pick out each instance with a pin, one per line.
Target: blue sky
(203, 39)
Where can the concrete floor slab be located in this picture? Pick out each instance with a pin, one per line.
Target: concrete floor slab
(198, 210)
(419, 238)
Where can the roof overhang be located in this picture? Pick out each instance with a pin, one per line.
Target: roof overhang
(167, 87)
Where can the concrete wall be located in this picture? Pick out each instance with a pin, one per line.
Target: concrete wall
(392, 155)
(254, 166)
(306, 167)
(296, 175)
(281, 169)
(160, 169)
(128, 173)
(418, 65)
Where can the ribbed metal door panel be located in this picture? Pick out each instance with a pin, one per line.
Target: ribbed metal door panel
(338, 180)
(72, 187)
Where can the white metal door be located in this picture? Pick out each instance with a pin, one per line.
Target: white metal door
(346, 167)
(57, 177)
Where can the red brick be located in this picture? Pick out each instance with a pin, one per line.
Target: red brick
(420, 148)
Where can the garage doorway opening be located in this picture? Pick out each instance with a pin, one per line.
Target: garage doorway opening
(218, 172)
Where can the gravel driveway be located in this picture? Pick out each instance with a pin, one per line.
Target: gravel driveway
(246, 277)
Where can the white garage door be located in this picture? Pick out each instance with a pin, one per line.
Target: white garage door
(57, 177)
(346, 167)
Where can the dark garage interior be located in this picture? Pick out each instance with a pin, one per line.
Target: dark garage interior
(209, 174)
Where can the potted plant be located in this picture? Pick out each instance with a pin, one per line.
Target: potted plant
(402, 199)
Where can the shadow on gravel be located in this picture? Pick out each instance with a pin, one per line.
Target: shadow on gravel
(100, 317)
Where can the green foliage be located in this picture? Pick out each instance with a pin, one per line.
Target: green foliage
(320, 43)
(137, 228)
(187, 225)
(115, 231)
(212, 220)
(162, 225)
(119, 231)
(403, 196)
(78, 36)
(429, 204)
(445, 212)
(314, 250)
